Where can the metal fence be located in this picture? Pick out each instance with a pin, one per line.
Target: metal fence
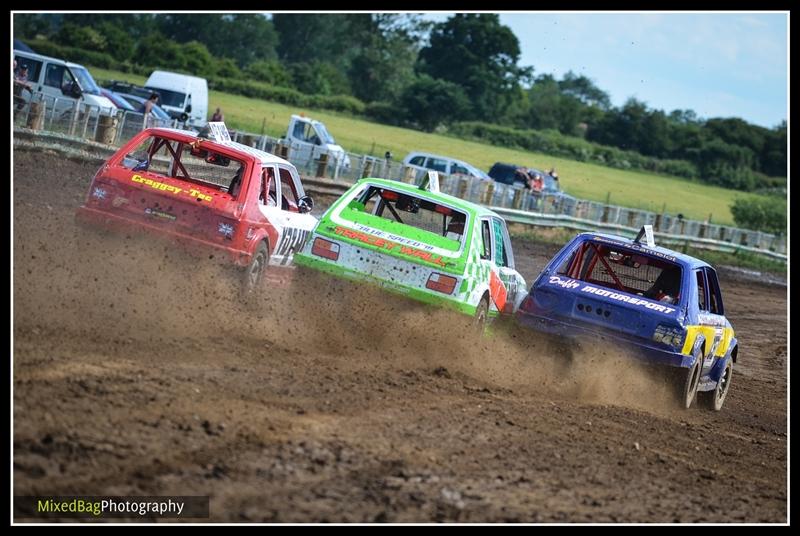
(73, 118)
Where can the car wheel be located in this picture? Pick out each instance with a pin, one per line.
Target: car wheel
(689, 379)
(713, 400)
(254, 274)
(481, 315)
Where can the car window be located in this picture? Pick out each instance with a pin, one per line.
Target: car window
(310, 135)
(288, 192)
(417, 161)
(55, 75)
(625, 270)
(415, 211)
(437, 164)
(486, 237)
(701, 291)
(455, 168)
(33, 66)
(500, 246)
(268, 194)
(170, 158)
(298, 131)
(714, 294)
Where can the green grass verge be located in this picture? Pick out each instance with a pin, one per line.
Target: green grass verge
(635, 189)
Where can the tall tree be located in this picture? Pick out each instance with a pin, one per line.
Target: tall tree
(583, 89)
(387, 51)
(479, 54)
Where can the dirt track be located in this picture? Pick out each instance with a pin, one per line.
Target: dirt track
(135, 373)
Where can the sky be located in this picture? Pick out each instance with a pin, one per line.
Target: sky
(717, 64)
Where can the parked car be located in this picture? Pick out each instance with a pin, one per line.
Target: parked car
(424, 162)
(138, 103)
(519, 175)
(130, 89)
(59, 83)
(118, 101)
(420, 243)
(663, 306)
(216, 197)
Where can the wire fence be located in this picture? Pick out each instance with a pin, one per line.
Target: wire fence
(115, 127)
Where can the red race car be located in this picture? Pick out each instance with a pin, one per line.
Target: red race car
(216, 196)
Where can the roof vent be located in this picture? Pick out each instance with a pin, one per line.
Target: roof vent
(430, 182)
(647, 232)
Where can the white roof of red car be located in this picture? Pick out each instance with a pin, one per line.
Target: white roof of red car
(263, 156)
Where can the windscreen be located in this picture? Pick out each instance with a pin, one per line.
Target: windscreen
(85, 80)
(624, 270)
(384, 208)
(323, 133)
(176, 99)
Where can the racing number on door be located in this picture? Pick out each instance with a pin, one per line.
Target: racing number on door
(291, 240)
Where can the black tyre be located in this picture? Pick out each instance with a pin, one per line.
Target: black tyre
(254, 274)
(481, 315)
(714, 400)
(688, 380)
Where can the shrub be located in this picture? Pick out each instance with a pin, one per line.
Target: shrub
(767, 214)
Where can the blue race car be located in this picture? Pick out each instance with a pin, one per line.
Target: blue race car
(664, 306)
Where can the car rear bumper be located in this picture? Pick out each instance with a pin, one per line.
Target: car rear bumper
(115, 222)
(413, 293)
(640, 348)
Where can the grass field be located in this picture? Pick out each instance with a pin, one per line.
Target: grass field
(586, 181)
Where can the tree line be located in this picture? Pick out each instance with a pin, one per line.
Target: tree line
(404, 70)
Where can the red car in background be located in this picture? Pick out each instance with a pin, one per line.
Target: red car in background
(217, 196)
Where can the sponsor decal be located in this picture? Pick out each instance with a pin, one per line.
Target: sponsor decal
(199, 195)
(668, 335)
(590, 289)
(628, 299)
(636, 247)
(119, 201)
(292, 239)
(565, 283)
(390, 245)
(164, 187)
(226, 229)
(392, 237)
(156, 185)
(160, 214)
(709, 319)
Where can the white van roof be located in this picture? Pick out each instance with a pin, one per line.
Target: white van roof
(35, 56)
(173, 77)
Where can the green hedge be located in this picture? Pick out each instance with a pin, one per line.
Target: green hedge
(247, 88)
(767, 214)
(285, 95)
(556, 144)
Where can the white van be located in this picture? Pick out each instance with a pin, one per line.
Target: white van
(60, 82)
(183, 97)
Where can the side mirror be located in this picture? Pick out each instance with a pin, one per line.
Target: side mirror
(72, 90)
(189, 109)
(306, 204)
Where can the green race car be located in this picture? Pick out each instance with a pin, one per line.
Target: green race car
(421, 243)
